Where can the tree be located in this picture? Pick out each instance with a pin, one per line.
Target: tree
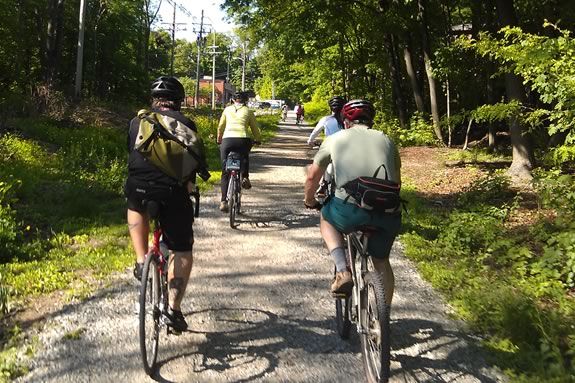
(523, 158)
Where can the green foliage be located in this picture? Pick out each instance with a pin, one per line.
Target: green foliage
(419, 132)
(510, 284)
(5, 304)
(316, 109)
(496, 112)
(546, 65)
(14, 347)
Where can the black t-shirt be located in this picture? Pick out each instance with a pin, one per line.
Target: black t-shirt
(138, 166)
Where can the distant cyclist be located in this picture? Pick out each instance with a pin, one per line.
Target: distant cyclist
(329, 124)
(299, 113)
(284, 112)
(355, 152)
(233, 137)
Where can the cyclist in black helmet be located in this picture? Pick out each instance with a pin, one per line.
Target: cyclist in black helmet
(233, 136)
(146, 182)
(329, 124)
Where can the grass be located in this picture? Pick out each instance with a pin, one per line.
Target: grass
(510, 285)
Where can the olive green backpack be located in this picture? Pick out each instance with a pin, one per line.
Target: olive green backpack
(171, 146)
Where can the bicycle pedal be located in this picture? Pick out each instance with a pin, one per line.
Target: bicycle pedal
(172, 331)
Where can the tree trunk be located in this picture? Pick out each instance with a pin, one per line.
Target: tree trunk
(394, 70)
(523, 158)
(53, 39)
(342, 65)
(417, 94)
(429, 70)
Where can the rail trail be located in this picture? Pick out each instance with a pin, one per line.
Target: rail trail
(258, 304)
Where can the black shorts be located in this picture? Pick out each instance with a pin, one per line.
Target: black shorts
(176, 210)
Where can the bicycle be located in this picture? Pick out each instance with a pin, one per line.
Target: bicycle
(153, 298)
(234, 164)
(366, 308)
(234, 196)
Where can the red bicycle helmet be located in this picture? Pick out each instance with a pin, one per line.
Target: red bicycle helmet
(359, 110)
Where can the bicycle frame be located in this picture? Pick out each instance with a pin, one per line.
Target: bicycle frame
(357, 242)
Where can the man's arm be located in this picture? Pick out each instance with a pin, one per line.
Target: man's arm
(221, 127)
(313, 177)
(254, 126)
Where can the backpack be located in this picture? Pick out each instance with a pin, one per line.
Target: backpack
(171, 146)
(377, 194)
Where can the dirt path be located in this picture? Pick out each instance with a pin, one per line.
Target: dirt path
(258, 304)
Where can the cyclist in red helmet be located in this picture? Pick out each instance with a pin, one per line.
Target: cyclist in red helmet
(357, 151)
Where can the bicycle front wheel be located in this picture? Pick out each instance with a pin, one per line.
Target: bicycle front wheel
(375, 339)
(149, 314)
(232, 202)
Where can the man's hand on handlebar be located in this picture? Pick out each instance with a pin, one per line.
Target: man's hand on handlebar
(312, 205)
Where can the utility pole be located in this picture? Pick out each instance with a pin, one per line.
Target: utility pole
(214, 53)
(199, 43)
(173, 26)
(173, 41)
(243, 66)
(80, 54)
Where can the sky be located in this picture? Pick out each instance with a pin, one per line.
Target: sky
(212, 16)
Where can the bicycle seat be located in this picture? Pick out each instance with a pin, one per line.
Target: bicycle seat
(367, 230)
(153, 209)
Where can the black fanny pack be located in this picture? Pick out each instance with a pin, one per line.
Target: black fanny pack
(377, 194)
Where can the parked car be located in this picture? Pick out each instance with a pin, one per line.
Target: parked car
(265, 105)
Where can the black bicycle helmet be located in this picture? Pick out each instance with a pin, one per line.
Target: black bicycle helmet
(241, 97)
(169, 88)
(336, 103)
(359, 110)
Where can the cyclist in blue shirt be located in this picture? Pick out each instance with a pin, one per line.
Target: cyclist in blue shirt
(329, 124)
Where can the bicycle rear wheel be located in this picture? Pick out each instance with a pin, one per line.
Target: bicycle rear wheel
(375, 339)
(149, 314)
(232, 202)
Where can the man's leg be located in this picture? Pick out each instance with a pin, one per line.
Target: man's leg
(179, 270)
(139, 227)
(334, 242)
(383, 266)
(224, 150)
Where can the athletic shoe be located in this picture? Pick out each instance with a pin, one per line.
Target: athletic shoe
(138, 268)
(224, 206)
(342, 283)
(246, 184)
(176, 320)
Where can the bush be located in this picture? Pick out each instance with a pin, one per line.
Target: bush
(419, 132)
(314, 110)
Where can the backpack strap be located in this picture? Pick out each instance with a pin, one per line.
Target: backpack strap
(377, 171)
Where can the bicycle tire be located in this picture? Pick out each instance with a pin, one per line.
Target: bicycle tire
(375, 339)
(149, 314)
(232, 201)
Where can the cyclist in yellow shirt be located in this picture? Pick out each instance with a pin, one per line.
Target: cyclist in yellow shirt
(233, 137)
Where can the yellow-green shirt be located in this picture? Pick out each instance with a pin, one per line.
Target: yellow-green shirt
(235, 121)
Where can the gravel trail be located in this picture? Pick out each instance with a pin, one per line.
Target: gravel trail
(258, 304)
